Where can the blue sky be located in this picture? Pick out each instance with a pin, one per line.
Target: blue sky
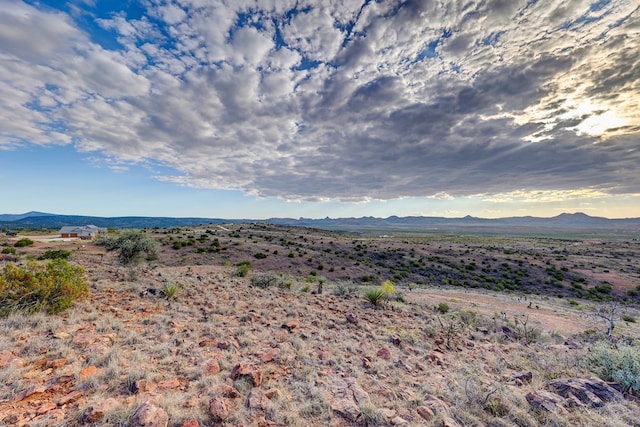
(258, 109)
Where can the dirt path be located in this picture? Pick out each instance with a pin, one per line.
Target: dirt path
(542, 311)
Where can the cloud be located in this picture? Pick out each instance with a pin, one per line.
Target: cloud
(350, 101)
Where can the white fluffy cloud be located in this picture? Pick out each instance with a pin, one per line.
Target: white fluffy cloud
(346, 100)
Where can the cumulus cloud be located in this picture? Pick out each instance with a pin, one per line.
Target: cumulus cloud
(339, 100)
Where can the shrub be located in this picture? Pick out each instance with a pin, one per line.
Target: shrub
(9, 251)
(23, 242)
(131, 246)
(271, 278)
(620, 365)
(242, 268)
(37, 287)
(375, 296)
(442, 308)
(170, 290)
(345, 289)
(260, 255)
(628, 319)
(55, 254)
(387, 288)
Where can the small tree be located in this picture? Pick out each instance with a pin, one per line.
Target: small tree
(608, 313)
(131, 246)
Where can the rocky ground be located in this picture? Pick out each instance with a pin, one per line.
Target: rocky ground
(224, 352)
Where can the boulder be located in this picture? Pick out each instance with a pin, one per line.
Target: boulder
(218, 409)
(591, 392)
(148, 415)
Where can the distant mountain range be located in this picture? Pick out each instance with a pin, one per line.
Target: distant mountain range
(565, 221)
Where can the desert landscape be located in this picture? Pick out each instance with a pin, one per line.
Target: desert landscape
(266, 325)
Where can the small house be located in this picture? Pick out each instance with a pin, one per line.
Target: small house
(85, 232)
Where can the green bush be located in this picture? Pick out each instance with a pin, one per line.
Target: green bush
(442, 308)
(55, 254)
(260, 255)
(9, 251)
(50, 287)
(131, 245)
(23, 242)
(242, 268)
(619, 364)
(375, 296)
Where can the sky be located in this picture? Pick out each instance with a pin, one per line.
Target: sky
(259, 109)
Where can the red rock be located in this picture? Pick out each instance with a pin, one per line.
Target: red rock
(72, 397)
(290, 325)
(270, 355)
(57, 363)
(170, 384)
(208, 343)
(88, 372)
(99, 409)
(46, 407)
(272, 393)
(384, 353)
(218, 409)
(31, 391)
(149, 415)
(191, 423)
(211, 367)
(228, 391)
(258, 401)
(84, 337)
(424, 412)
(242, 369)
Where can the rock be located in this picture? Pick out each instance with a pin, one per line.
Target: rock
(149, 415)
(290, 325)
(270, 355)
(218, 409)
(88, 372)
(208, 343)
(46, 407)
(425, 413)
(243, 370)
(211, 367)
(72, 397)
(399, 421)
(523, 377)
(258, 401)
(84, 336)
(592, 392)
(351, 319)
(99, 409)
(144, 386)
(57, 363)
(228, 391)
(436, 406)
(384, 353)
(35, 389)
(191, 423)
(545, 401)
(170, 384)
(348, 397)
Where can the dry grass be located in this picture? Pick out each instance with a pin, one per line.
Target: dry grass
(399, 353)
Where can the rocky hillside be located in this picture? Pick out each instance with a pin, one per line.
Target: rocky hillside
(269, 350)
